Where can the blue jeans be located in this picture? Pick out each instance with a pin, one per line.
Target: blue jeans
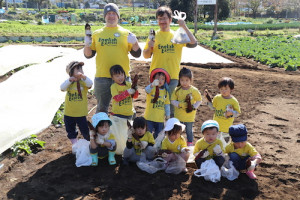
(189, 130)
(154, 126)
(173, 84)
(70, 123)
(238, 162)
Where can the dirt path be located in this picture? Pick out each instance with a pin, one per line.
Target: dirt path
(269, 100)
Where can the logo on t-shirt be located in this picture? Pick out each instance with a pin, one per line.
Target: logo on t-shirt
(108, 41)
(166, 48)
(117, 34)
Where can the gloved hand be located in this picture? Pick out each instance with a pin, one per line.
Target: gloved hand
(100, 141)
(217, 150)
(143, 144)
(205, 154)
(129, 133)
(131, 38)
(252, 165)
(164, 155)
(155, 83)
(87, 41)
(185, 150)
(92, 134)
(131, 91)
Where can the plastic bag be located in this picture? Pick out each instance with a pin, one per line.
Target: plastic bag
(209, 170)
(82, 151)
(119, 129)
(176, 166)
(152, 166)
(228, 171)
(180, 36)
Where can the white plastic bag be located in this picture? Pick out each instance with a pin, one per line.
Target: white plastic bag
(176, 166)
(228, 171)
(209, 170)
(152, 166)
(82, 151)
(119, 130)
(180, 36)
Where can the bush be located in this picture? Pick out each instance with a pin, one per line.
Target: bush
(269, 21)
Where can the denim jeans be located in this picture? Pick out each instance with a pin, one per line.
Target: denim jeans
(154, 126)
(238, 162)
(81, 122)
(173, 84)
(189, 130)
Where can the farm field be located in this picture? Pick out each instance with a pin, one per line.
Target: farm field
(269, 100)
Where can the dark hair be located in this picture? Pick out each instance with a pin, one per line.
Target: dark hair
(226, 81)
(184, 72)
(116, 69)
(209, 128)
(162, 10)
(139, 122)
(76, 67)
(175, 130)
(102, 123)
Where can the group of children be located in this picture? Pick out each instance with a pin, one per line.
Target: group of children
(186, 98)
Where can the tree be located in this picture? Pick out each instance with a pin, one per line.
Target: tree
(1, 4)
(253, 5)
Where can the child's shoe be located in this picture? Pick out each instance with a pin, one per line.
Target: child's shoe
(251, 174)
(189, 144)
(94, 159)
(111, 157)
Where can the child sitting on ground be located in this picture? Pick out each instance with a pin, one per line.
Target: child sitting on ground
(209, 147)
(174, 142)
(158, 101)
(102, 142)
(242, 153)
(76, 107)
(139, 142)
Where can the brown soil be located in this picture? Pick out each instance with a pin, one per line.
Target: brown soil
(269, 100)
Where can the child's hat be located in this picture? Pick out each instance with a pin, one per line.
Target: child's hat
(208, 124)
(171, 122)
(101, 116)
(71, 65)
(153, 72)
(238, 133)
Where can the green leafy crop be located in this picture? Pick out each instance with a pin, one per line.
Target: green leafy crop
(27, 145)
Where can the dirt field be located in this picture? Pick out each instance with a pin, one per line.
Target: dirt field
(269, 100)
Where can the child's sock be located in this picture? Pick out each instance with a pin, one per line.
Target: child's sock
(73, 140)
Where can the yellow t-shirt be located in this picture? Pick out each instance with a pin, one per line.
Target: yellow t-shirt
(247, 150)
(156, 111)
(220, 104)
(180, 95)
(112, 48)
(74, 105)
(202, 144)
(148, 137)
(125, 106)
(166, 55)
(176, 146)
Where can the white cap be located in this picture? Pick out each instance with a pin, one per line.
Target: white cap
(171, 122)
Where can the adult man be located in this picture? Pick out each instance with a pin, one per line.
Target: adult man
(167, 55)
(111, 44)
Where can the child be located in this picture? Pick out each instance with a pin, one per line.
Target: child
(122, 94)
(242, 153)
(139, 141)
(158, 101)
(186, 99)
(102, 141)
(174, 142)
(209, 147)
(76, 107)
(226, 108)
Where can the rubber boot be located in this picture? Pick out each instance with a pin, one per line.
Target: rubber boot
(94, 159)
(251, 174)
(111, 157)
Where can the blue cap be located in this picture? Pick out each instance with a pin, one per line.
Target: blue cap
(101, 116)
(208, 124)
(238, 133)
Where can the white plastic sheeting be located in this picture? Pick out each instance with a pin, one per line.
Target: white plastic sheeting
(15, 56)
(31, 97)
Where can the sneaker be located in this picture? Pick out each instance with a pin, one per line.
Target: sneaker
(189, 144)
(251, 175)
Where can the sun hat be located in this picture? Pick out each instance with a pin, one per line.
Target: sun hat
(153, 72)
(208, 124)
(71, 65)
(171, 122)
(238, 133)
(101, 116)
(111, 7)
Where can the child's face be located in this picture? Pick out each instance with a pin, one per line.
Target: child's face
(225, 91)
(102, 130)
(77, 72)
(185, 82)
(210, 135)
(239, 145)
(161, 78)
(118, 78)
(174, 137)
(140, 131)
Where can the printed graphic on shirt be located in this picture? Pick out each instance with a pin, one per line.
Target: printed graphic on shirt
(166, 48)
(108, 41)
(159, 104)
(74, 96)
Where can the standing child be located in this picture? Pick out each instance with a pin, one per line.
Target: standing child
(242, 153)
(209, 147)
(174, 142)
(158, 101)
(103, 142)
(186, 99)
(226, 108)
(122, 94)
(139, 141)
(76, 108)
